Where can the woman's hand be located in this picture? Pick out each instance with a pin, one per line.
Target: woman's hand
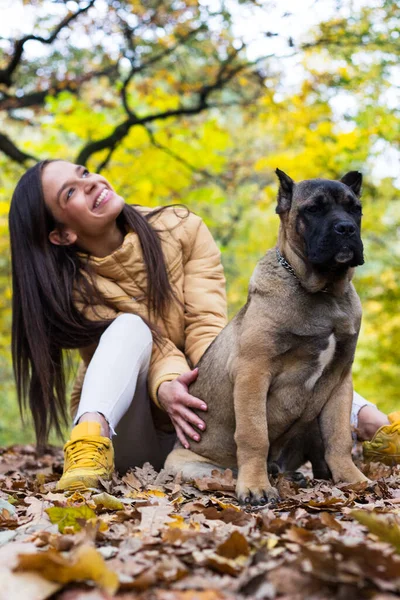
(176, 400)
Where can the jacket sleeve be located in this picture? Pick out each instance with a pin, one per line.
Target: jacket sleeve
(204, 306)
(167, 363)
(204, 290)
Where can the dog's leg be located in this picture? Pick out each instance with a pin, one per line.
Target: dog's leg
(334, 422)
(251, 435)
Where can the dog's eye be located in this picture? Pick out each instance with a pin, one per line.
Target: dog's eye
(355, 209)
(313, 208)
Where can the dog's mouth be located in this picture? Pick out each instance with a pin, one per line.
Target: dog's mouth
(345, 255)
(338, 259)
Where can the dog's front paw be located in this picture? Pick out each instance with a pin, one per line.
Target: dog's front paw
(348, 473)
(257, 496)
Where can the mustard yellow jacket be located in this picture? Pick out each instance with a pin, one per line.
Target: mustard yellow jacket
(196, 275)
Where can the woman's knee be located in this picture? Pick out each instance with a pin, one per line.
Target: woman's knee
(131, 328)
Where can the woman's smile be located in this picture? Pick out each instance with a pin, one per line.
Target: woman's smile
(102, 198)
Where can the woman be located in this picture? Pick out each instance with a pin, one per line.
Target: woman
(93, 273)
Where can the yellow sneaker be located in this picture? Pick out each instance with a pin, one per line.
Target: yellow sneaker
(87, 457)
(385, 445)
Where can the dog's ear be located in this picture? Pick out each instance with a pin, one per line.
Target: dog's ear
(353, 179)
(285, 192)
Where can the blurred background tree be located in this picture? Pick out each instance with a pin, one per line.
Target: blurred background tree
(167, 100)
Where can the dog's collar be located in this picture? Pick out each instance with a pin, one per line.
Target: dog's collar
(282, 261)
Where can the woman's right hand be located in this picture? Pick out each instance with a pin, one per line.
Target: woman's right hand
(175, 399)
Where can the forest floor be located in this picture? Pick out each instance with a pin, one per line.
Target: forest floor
(152, 537)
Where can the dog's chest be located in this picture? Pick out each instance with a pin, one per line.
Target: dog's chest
(323, 359)
(319, 341)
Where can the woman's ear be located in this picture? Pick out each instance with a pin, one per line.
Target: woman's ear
(62, 237)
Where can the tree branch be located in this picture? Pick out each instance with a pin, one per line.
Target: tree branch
(38, 98)
(11, 150)
(223, 77)
(7, 73)
(157, 57)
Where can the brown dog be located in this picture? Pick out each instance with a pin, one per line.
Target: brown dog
(277, 379)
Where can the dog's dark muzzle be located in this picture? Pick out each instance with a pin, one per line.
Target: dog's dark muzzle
(336, 246)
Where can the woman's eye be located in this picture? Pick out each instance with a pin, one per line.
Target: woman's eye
(85, 173)
(69, 193)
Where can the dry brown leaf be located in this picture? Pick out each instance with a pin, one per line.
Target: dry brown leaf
(8, 520)
(154, 518)
(329, 521)
(228, 515)
(85, 564)
(236, 545)
(132, 481)
(331, 504)
(218, 481)
(298, 535)
(224, 565)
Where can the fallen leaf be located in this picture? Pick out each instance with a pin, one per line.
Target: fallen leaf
(85, 564)
(218, 481)
(228, 515)
(329, 521)
(22, 586)
(229, 566)
(6, 505)
(385, 527)
(109, 502)
(236, 545)
(131, 481)
(154, 518)
(69, 516)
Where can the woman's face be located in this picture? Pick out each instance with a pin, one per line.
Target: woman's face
(83, 202)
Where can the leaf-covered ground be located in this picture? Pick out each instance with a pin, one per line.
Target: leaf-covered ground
(151, 537)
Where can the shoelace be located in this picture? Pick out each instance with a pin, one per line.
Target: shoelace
(395, 427)
(88, 452)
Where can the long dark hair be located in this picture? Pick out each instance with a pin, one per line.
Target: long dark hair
(45, 280)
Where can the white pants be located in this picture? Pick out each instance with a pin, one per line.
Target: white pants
(115, 385)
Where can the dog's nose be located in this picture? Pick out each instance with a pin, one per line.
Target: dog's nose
(346, 228)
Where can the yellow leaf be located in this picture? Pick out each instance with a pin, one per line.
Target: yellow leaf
(178, 500)
(86, 564)
(272, 542)
(78, 497)
(146, 495)
(67, 516)
(108, 501)
(224, 504)
(178, 522)
(386, 528)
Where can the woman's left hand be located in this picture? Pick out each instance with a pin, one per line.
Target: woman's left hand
(175, 399)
